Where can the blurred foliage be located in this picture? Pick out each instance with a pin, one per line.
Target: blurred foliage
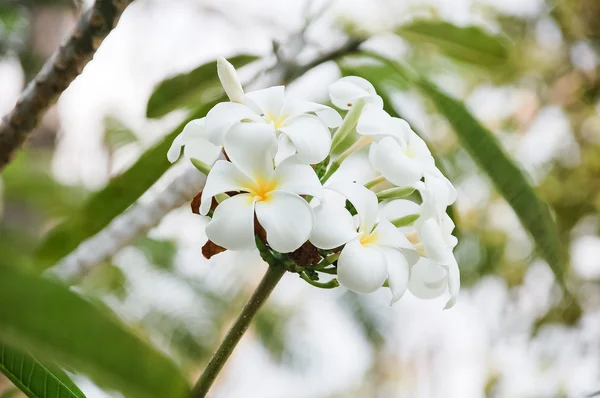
(37, 379)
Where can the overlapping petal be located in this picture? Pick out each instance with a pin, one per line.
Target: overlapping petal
(310, 136)
(287, 219)
(347, 90)
(232, 224)
(223, 177)
(427, 279)
(389, 236)
(398, 272)
(334, 226)
(363, 200)
(223, 116)
(299, 178)
(361, 269)
(269, 101)
(389, 159)
(299, 107)
(251, 148)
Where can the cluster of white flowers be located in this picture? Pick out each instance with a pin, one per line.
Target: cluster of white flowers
(293, 171)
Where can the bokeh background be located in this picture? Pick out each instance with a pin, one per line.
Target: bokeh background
(510, 335)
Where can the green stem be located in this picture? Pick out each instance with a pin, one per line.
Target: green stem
(322, 285)
(260, 295)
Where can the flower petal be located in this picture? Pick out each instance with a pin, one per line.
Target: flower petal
(453, 284)
(224, 115)
(299, 178)
(355, 168)
(376, 122)
(327, 114)
(269, 101)
(175, 150)
(398, 272)
(434, 243)
(232, 224)
(387, 235)
(251, 148)
(398, 208)
(310, 136)
(363, 200)
(347, 90)
(427, 279)
(389, 159)
(230, 80)
(334, 226)
(196, 144)
(361, 269)
(287, 219)
(223, 177)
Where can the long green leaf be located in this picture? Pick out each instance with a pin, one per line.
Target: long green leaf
(112, 200)
(187, 90)
(35, 379)
(54, 323)
(468, 44)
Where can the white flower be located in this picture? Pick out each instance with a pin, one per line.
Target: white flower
(372, 252)
(272, 194)
(432, 237)
(194, 143)
(398, 153)
(230, 81)
(291, 118)
(347, 90)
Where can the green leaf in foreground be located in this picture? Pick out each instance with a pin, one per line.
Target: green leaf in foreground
(35, 379)
(112, 200)
(507, 177)
(468, 44)
(54, 323)
(189, 89)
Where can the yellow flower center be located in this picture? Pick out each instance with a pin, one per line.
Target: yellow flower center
(262, 189)
(369, 239)
(277, 121)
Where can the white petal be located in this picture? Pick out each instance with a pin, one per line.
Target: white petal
(251, 148)
(269, 101)
(196, 144)
(361, 269)
(230, 80)
(387, 235)
(310, 136)
(363, 200)
(389, 159)
(427, 279)
(175, 150)
(355, 168)
(347, 90)
(398, 272)
(398, 208)
(287, 219)
(299, 178)
(434, 243)
(376, 122)
(223, 177)
(224, 115)
(334, 226)
(285, 149)
(453, 284)
(232, 225)
(327, 114)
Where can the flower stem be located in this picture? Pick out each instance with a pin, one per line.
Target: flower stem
(333, 283)
(260, 295)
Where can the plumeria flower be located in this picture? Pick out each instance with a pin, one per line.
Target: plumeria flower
(432, 237)
(347, 90)
(372, 252)
(290, 118)
(195, 145)
(271, 194)
(398, 153)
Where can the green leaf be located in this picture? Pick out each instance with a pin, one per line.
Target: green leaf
(507, 177)
(53, 323)
(117, 134)
(190, 89)
(35, 379)
(112, 200)
(468, 44)
(159, 252)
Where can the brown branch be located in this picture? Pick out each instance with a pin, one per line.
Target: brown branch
(57, 73)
